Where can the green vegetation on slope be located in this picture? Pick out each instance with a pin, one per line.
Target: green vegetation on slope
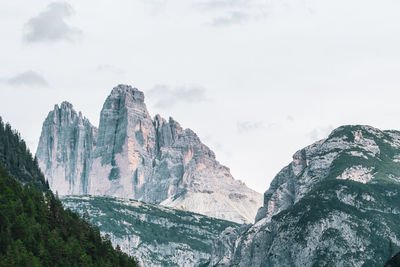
(18, 160)
(111, 214)
(384, 165)
(371, 210)
(35, 230)
(156, 235)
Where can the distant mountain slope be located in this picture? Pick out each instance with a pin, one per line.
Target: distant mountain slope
(336, 204)
(155, 235)
(132, 155)
(16, 157)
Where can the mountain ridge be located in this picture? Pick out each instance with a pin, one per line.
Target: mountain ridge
(337, 201)
(133, 155)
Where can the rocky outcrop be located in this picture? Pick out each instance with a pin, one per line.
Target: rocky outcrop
(337, 202)
(123, 158)
(65, 149)
(153, 234)
(135, 156)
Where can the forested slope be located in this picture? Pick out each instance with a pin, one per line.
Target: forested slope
(18, 160)
(35, 229)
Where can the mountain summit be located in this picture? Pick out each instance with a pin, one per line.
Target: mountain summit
(65, 149)
(134, 156)
(337, 203)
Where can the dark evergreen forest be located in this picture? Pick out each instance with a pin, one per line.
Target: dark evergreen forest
(35, 229)
(18, 160)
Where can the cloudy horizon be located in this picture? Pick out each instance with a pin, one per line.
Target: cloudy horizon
(257, 80)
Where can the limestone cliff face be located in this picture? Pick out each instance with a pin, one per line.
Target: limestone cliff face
(153, 160)
(337, 202)
(65, 148)
(125, 146)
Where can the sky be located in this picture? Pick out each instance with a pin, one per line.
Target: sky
(257, 80)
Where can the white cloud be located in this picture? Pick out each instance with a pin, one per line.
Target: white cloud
(27, 78)
(50, 25)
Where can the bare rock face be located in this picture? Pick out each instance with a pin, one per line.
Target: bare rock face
(65, 149)
(126, 145)
(337, 202)
(134, 156)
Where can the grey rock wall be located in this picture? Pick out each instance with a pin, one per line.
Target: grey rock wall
(132, 155)
(65, 150)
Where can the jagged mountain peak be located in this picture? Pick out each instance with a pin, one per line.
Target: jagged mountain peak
(134, 156)
(123, 90)
(66, 114)
(64, 149)
(337, 201)
(350, 152)
(124, 103)
(160, 120)
(65, 105)
(65, 108)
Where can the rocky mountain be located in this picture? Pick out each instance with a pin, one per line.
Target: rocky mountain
(153, 234)
(132, 155)
(336, 204)
(65, 149)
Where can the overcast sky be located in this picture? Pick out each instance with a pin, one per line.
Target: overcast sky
(255, 79)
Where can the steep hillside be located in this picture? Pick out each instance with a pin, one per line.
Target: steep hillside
(338, 202)
(132, 155)
(155, 235)
(35, 230)
(18, 160)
